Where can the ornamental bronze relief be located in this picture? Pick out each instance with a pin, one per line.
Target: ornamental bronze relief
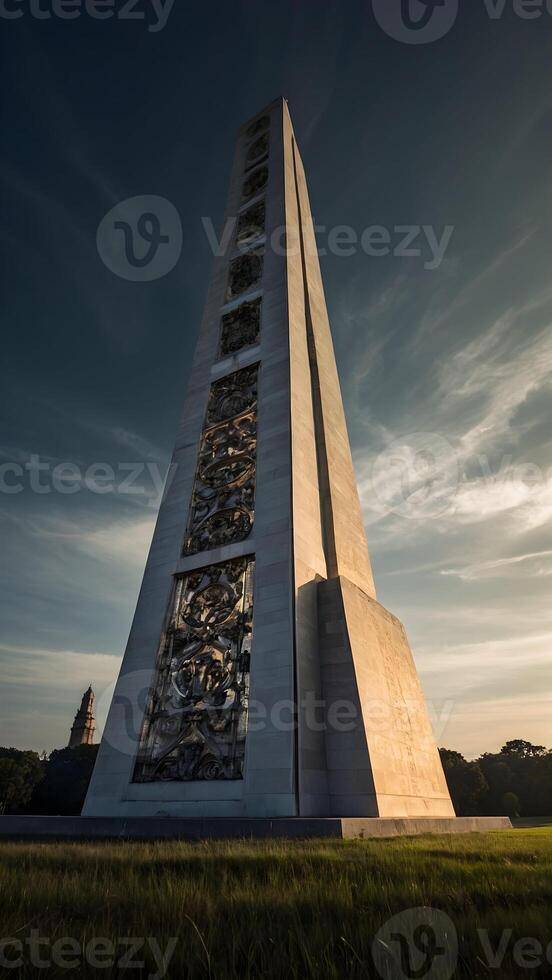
(232, 395)
(251, 224)
(245, 273)
(254, 184)
(196, 719)
(240, 328)
(259, 126)
(257, 152)
(223, 499)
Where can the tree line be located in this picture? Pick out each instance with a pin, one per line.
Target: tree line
(515, 782)
(40, 784)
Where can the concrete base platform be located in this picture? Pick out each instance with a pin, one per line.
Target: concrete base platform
(167, 828)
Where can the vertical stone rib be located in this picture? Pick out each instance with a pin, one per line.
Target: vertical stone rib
(326, 509)
(345, 534)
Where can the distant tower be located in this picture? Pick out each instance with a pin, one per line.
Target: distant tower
(84, 725)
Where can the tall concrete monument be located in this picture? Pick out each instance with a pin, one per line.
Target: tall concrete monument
(262, 678)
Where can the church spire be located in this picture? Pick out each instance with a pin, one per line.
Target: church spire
(84, 725)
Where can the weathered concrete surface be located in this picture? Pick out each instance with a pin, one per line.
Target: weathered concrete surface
(144, 828)
(319, 634)
(384, 763)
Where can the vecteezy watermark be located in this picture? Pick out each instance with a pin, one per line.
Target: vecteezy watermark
(422, 944)
(41, 476)
(425, 21)
(128, 698)
(423, 242)
(416, 475)
(140, 239)
(67, 953)
(415, 21)
(155, 12)
(420, 476)
(419, 943)
(527, 953)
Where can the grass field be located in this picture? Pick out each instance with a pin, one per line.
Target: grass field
(272, 909)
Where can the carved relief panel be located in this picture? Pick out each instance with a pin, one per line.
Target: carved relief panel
(196, 719)
(245, 274)
(258, 152)
(259, 126)
(255, 183)
(240, 328)
(223, 499)
(251, 224)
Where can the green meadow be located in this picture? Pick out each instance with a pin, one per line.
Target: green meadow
(271, 909)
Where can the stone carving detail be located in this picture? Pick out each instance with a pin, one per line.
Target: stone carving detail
(257, 152)
(245, 272)
(255, 183)
(196, 719)
(232, 395)
(223, 499)
(240, 328)
(251, 224)
(257, 127)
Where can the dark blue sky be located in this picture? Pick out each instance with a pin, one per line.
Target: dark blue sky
(455, 133)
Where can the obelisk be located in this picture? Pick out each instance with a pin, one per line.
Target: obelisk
(262, 678)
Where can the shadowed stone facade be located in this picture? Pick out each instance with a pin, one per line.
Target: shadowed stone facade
(262, 678)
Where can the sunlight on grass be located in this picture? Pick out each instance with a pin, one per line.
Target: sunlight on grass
(270, 909)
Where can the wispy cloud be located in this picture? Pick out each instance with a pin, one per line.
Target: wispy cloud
(124, 540)
(454, 301)
(482, 500)
(454, 464)
(498, 372)
(470, 413)
(539, 562)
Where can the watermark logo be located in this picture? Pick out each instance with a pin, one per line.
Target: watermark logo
(42, 476)
(416, 21)
(426, 243)
(140, 239)
(153, 13)
(416, 476)
(126, 700)
(417, 944)
(125, 703)
(136, 953)
(425, 21)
